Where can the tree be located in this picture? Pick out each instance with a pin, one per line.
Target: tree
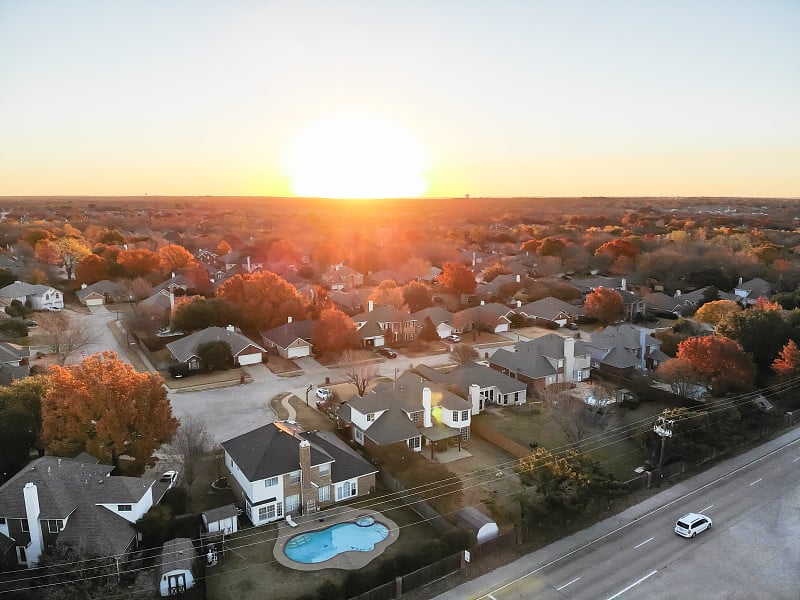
(215, 355)
(223, 248)
(103, 406)
(489, 273)
(604, 304)
(761, 332)
(91, 269)
(428, 332)
(24, 397)
(67, 573)
(787, 364)
(710, 294)
(681, 376)
(720, 360)
(618, 247)
(139, 262)
(576, 419)
(64, 335)
(199, 313)
(266, 299)
(198, 280)
(417, 296)
(359, 367)
(387, 293)
(334, 331)
(763, 303)
(173, 258)
(457, 278)
(6, 277)
(463, 354)
(716, 311)
(192, 443)
(71, 250)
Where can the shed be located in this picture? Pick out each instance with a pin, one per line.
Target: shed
(221, 519)
(474, 520)
(177, 567)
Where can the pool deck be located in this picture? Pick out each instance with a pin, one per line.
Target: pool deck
(320, 520)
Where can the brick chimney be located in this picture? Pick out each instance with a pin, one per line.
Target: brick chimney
(370, 306)
(308, 493)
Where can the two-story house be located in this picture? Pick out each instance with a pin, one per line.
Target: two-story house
(409, 410)
(480, 384)
(545, 360)
(622, 349)
(342, 277)
(38, 297)
(278, 469)
(385, 324)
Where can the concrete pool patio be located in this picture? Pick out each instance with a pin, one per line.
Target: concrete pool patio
(349, 560)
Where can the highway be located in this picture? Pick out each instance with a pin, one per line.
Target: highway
(752, 550)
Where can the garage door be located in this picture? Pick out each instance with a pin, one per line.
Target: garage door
(501, 327)
(298, 352)
(249, 359)
(94, 302)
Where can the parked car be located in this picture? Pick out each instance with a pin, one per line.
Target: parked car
(54, 308)
(691, 524)
(387, 352)
(453, 339)
(169, 477)
(324, 393)
(30, 323)
(573, 326)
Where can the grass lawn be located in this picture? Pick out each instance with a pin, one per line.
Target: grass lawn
(249, 570)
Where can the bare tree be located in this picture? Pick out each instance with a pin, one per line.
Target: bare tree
(359, 367)
(576, 417)
(192, 443)
(64, 335)
(463, 354)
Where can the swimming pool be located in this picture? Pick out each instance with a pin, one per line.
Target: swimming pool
(319, 546)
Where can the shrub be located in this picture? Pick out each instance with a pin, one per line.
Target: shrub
(177, 499)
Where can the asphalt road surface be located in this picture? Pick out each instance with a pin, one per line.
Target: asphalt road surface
(752, 550)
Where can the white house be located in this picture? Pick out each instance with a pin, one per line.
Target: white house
(40, 297)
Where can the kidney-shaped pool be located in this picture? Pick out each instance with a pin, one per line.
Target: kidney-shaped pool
(321, 545)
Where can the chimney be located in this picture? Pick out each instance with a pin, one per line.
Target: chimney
(173, 274)
(289, 320)
(677, 293)
(249, 268)
(34, 550)
(741, 280)
(473, 258)
(518, 278)
(642, 347)
(370, 306)
(483, 302)
(230, 328)
(83, 286)
(475, 398)
(427, 421)
(171, 300)
(307, 496)
(623, 284)
(569, 359)
(519, 303)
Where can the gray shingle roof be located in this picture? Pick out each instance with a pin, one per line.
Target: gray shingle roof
(437, 314)
(391, 427)
(347, 463)
(184, 348)
(384, 314)
(288, 333)
(221, 512)
(177, 554)
(21, 288)
(104, 287)
(467, 374)
(550, 309)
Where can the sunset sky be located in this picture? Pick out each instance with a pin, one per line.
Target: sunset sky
(435, 97)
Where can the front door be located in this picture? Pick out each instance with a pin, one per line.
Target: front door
(177, 584)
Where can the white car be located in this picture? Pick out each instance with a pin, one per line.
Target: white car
(453, 339)
(324, 393)
(691, 524)
(169, 477)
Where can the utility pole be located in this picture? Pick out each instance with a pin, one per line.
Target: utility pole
(308, 389)
(663, 428)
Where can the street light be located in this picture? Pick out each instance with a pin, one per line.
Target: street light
(308, 389)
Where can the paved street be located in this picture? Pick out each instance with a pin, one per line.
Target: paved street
(751, 551)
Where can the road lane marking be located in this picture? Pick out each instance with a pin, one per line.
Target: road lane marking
(491, 597)
(633, 585)
(643, 543)
(709, 507)
(558, 589)
(796, 459)
(755, 482)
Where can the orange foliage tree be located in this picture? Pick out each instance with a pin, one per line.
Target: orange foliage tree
(763, 303)
(387, 293)
(334, 331)
(91, 269)
(787, 363)
(721, 361)
(457, 278)
(173, 257)
(108, 409)
(604, 304)
(717, 311)
(266, 299)
(139, 262)
(617, 248)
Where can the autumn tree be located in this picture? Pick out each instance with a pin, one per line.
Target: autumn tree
(576, 419)
(334, 331)
(787, 364)
(604, 304)
(138, 262)
(416, 296)
(489, 273)
(720, 360)
(64, 335)
(223, 248)
(192, 443)
(70, 251)
(105, 407)
(197, 313)
(716, 311)
(198, 280)
(173, 258)
(91, 269)
(428, 331)
(617, 248)
(266, 299)
(387, 293)
(68, 572)
(463, 354)
(359, 368)
(215, 355)
(457, 278)
(763, 303)
(681, 377)
(20, 423)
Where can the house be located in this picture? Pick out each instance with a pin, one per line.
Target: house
(172, 284)
(410, 410)
(178, 562)
(103, 292)
(385, 324)
(551, 310)
(38, 297)
(623, 349)
(277, 470)
(76, 502)
(544, 361)
(508, 282)
(14, 362)
(493, 317)
(441, 318)
(290, 340)
(659, 303)
(351, 301)
(244, 350)
(342, 277)
(750, 291)
(480, 384)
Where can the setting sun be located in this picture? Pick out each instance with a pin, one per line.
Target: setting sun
(356, 157)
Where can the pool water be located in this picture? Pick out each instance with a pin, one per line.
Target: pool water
(322, 545)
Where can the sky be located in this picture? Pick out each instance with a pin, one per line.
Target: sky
(501, 98)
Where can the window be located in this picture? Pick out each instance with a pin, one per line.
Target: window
(465, 415)
(2, 520)
(124, 508)
(294, 477)
(271, 482)
(324, 493)
(23, 524)
(359, 435)
(413, 443)
(55, 525)
(345, 490)
(271, 512)
(414, 417)
(292, 503)
(279, 509)
(21, 556)
(262, 513)
(455, 415)
(370, 416)
(325, 469)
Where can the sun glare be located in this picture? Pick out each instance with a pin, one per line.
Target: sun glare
(356, 157)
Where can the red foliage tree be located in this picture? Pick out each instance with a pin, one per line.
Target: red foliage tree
(139, 262)
(91, 269)
(787, 364)
(722, 361)
(457, 278)
(198, 280)
(604, 304)
(266, 299)
(334, 331)
(617, 248)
